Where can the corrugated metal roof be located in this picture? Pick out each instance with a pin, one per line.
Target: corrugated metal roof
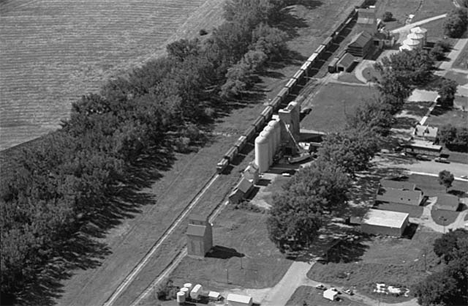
(360, 40)
(346, 61)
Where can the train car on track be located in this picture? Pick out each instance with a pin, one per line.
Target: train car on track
(240, 143)
(250, 133)
(258, 123)
(222, 165)
(231, 154)
(267, 113)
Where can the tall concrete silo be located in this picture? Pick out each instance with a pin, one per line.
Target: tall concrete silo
(261, 153)
(276, 135)
(269, 131)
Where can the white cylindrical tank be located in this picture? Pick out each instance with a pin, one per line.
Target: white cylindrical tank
(277, 127)
(181, 297)
(261, 153)
(189, 286)
(186, 291)
(423, 31)
(271, 138)
(195, 293)
(272, 126)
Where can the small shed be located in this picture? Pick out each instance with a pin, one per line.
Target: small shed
(346, 63)
(330, 294)
(447, 202)
(199, 236)
(360, 45)
(384, 222)
(241, 191)
(239, 300)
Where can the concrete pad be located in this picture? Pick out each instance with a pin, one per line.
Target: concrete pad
(422, 95)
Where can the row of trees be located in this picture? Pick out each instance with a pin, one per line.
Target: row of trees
(450, 285)
(72, 179)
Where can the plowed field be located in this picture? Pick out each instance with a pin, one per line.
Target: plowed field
(54, 51)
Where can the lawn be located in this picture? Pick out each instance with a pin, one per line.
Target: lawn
(402, 8)
(333, 103)
(314, 297)
(440, 117)
(462, 60)
(444, 217)
(393, 261)
(244, 255)
(460, 78)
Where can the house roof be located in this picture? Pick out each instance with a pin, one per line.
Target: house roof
(244, 299)
(385, 218)
(196, 230)
(364, 20)
(360, 40)
(425, 131)
(447, 202)
(366, 13)
(197, 218)
(346, 61)
(397, 185)
(411, 197)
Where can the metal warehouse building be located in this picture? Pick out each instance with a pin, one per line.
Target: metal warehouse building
(383, 222)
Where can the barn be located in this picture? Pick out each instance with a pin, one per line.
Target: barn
(384, 222)
(199, 236)
(360, 45)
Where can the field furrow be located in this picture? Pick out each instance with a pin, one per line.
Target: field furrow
(55, 51)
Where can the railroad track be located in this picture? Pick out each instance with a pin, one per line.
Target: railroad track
(142, 263)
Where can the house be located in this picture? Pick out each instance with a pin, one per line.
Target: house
(447, 202)
(399, 196)
(423, 147)
(360, 45)
(241, 191)
(425, 132)
(366, 20)
(346, 63)
(330, 294)
(251, 173)
(199, 236)
(384, 222)
(397, 185)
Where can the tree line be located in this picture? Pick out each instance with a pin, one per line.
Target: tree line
(64, 184)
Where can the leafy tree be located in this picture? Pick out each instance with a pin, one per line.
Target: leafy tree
(446, 178)
(447, 91)
(297, 211)
(183, 48)
(454, 138)
(352, 150)
(271, 41)
(374, 116)
(387, 16)
(456, 22)
(437, 53)
(447, 246)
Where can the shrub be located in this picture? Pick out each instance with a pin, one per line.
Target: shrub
(203, 32)
(445, 45)
(437, 53)
(456, 23)
(447, 92)
(387, 16)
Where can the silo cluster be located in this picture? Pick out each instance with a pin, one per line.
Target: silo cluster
(416, 39)
(266, 145)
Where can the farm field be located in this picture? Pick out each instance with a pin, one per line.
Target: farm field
(333, 103)
(393, 261)
(53, 52)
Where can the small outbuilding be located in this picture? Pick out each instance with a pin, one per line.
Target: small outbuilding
(384, 222)
(447, 202)
(199, 236)
(330, 294)
(346, 63)
(241, 191)
(239, 300)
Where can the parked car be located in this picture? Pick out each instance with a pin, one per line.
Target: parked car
(422, 157)
(441, 160)
(320, 287)
(349, 291)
